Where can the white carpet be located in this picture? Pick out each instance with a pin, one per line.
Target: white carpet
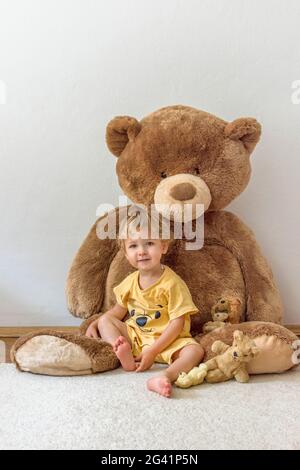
(114, 410)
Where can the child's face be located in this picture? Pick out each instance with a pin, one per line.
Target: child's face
(145, 253)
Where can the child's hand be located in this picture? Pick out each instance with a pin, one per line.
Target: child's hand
(92, 331)
(145, 359)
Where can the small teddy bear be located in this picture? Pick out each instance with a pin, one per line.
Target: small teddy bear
(230, 362)
(224, 312)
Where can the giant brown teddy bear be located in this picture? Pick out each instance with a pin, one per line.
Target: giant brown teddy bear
(183, 155)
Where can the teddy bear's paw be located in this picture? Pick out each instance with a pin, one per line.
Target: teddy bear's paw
(198, 374)
(51, 355)
(202, 367)
(194, 377)
(183, 380)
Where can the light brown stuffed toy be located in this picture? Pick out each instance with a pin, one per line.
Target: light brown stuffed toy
(225, 311)
(184, 155)
(231, 361)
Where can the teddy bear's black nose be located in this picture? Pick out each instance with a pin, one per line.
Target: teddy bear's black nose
(141, 321)
(183, 191)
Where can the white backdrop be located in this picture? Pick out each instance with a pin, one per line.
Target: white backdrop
(68, 66)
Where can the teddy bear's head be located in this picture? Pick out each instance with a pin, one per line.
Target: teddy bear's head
(181, 155)
(243, 349)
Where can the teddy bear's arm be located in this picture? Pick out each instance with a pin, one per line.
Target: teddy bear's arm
(212, 325)
(85, 287)
(263, 299)
(218, 347)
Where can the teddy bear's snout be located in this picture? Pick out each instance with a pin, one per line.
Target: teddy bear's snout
(180, 191)
(183, 191)
(141, 321)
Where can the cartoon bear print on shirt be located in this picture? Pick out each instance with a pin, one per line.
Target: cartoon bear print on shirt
(145, 321)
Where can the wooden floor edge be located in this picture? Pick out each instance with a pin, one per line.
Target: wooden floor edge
(16, 331)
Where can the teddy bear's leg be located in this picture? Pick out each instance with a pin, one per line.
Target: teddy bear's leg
(215, 376)
(56, 353)
(241, 375)
(211, 364)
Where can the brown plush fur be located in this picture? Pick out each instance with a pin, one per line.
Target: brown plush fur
(180, 140)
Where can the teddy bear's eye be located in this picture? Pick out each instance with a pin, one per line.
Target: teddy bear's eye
(163, 174)
(132, 313)
(157, 314)
(197, 171)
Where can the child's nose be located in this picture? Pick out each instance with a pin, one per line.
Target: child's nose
(142, 250)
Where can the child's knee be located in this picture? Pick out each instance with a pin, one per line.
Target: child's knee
(198, 351)
(105, 320)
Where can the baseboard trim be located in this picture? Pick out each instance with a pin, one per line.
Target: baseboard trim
(294, 328)
(17, 331)
(9, 335)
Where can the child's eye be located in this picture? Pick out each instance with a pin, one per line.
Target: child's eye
(150, 243)
(132, 246)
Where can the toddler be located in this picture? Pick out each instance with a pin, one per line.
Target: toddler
(159, 305)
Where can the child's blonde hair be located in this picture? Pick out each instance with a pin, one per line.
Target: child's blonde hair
(143, 219)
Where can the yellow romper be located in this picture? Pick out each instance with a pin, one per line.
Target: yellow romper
(151, 310)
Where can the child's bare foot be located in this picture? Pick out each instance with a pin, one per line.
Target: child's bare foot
(123, 352)
(160, 384)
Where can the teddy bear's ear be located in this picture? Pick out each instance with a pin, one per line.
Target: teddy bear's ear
(238, 335)
(247, 130)
(120, 131)
(255, 350)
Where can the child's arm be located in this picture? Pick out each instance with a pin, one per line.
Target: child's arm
(168, 336)
(172, 331)
(116, 311)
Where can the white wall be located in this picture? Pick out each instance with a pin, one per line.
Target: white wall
(71, 65)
